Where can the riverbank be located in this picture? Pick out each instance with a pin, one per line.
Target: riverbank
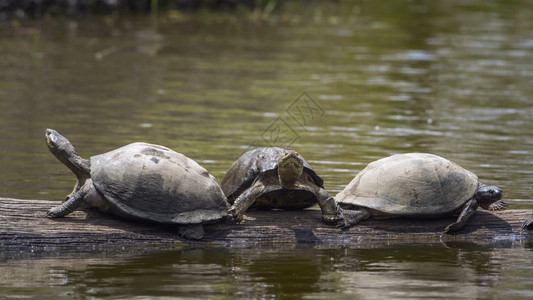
(37, 8)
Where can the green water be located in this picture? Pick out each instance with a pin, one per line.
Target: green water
(415, 271)
(344, 83)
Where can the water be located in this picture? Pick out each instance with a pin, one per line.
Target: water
(407, 272)
(450, 78)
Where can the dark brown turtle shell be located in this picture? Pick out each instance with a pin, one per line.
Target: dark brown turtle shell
(242, 173)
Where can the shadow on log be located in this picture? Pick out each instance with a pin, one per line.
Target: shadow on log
(24, 228)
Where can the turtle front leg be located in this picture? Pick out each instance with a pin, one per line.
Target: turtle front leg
(244, 201)
(468, 211)
(72, 202)
(85, 193)
(330, 213)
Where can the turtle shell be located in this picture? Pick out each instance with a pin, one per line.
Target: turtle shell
(245, 170)
(413, 184)
(153, 183)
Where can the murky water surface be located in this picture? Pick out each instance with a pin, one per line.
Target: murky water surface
(342, 83)
(414, 271)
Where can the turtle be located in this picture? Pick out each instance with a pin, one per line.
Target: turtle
(275, 178)
(419, 185)
(143, 182)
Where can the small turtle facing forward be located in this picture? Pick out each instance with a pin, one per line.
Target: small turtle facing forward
(275, 178)
(144, 182)
(416, 185)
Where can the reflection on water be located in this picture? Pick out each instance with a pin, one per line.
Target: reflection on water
(452, 78)
(449, 272)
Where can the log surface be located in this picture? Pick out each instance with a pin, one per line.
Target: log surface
(23, 227)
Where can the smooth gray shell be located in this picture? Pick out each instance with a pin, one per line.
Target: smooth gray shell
(151, 182)
(244, 170)
(412, 184)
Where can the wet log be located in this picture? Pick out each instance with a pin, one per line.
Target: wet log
(23, 227)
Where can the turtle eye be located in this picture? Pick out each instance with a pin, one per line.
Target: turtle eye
(52, 140)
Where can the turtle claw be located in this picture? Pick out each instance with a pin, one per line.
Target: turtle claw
(236, 218)
(51, 213)
(342, 224)
(498, 205)
(348, 217)
(191, 231)
(55, 212)
(453, 228)
(341, 221)
(331, 219)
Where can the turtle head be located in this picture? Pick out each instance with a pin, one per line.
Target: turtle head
(62, 149)
(290, 168)
(57, 143)
(488, 197)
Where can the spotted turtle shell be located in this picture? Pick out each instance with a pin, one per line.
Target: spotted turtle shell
(151, 182)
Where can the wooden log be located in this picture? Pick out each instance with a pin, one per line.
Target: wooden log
(24, 228)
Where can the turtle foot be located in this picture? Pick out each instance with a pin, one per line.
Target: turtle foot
(55, 212)
(342, 222)
(331, 219)
(191, 231)
(452, 228)
(498, 205)
(72, 202)
(348, 218)
(236, 217)
(528, 224)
